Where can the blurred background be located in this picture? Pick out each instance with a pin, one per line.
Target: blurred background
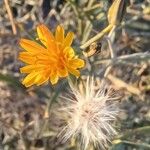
(22, 122)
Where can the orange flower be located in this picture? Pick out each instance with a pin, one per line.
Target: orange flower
(52, 59)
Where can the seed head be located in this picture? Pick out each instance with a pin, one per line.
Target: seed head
(90, 115)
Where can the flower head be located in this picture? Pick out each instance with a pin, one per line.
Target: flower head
(90, 114)
(49, 59)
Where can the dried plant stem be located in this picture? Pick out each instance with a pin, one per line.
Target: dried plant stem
(98, 36)
(121, 84)
(46, 113)
(10, 17)
(112, 51)
(132, 57)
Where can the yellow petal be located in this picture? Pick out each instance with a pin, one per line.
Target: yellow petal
(31, 46)
(54, 79)
(68, 40)
(63, 72)
(74, 72)
(30, 68)
(27, 69)
(59, 35)
(27, 58)
(41, 81)
(52, 47)
(44, 34)
(30, 83)
(54, 76)
(69, 52)
(76, 63)
(29, 79)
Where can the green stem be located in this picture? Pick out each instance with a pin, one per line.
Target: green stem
(142, 145)
(50, 102)
(145, 129)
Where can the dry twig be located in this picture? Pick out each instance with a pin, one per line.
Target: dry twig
(10, 17)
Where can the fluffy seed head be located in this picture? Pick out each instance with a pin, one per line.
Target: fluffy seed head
(90, 115)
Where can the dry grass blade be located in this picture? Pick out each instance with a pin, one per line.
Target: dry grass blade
(122, 85)
(10, 17)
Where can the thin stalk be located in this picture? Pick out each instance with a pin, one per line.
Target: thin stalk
(98, 36)
(134, 144)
